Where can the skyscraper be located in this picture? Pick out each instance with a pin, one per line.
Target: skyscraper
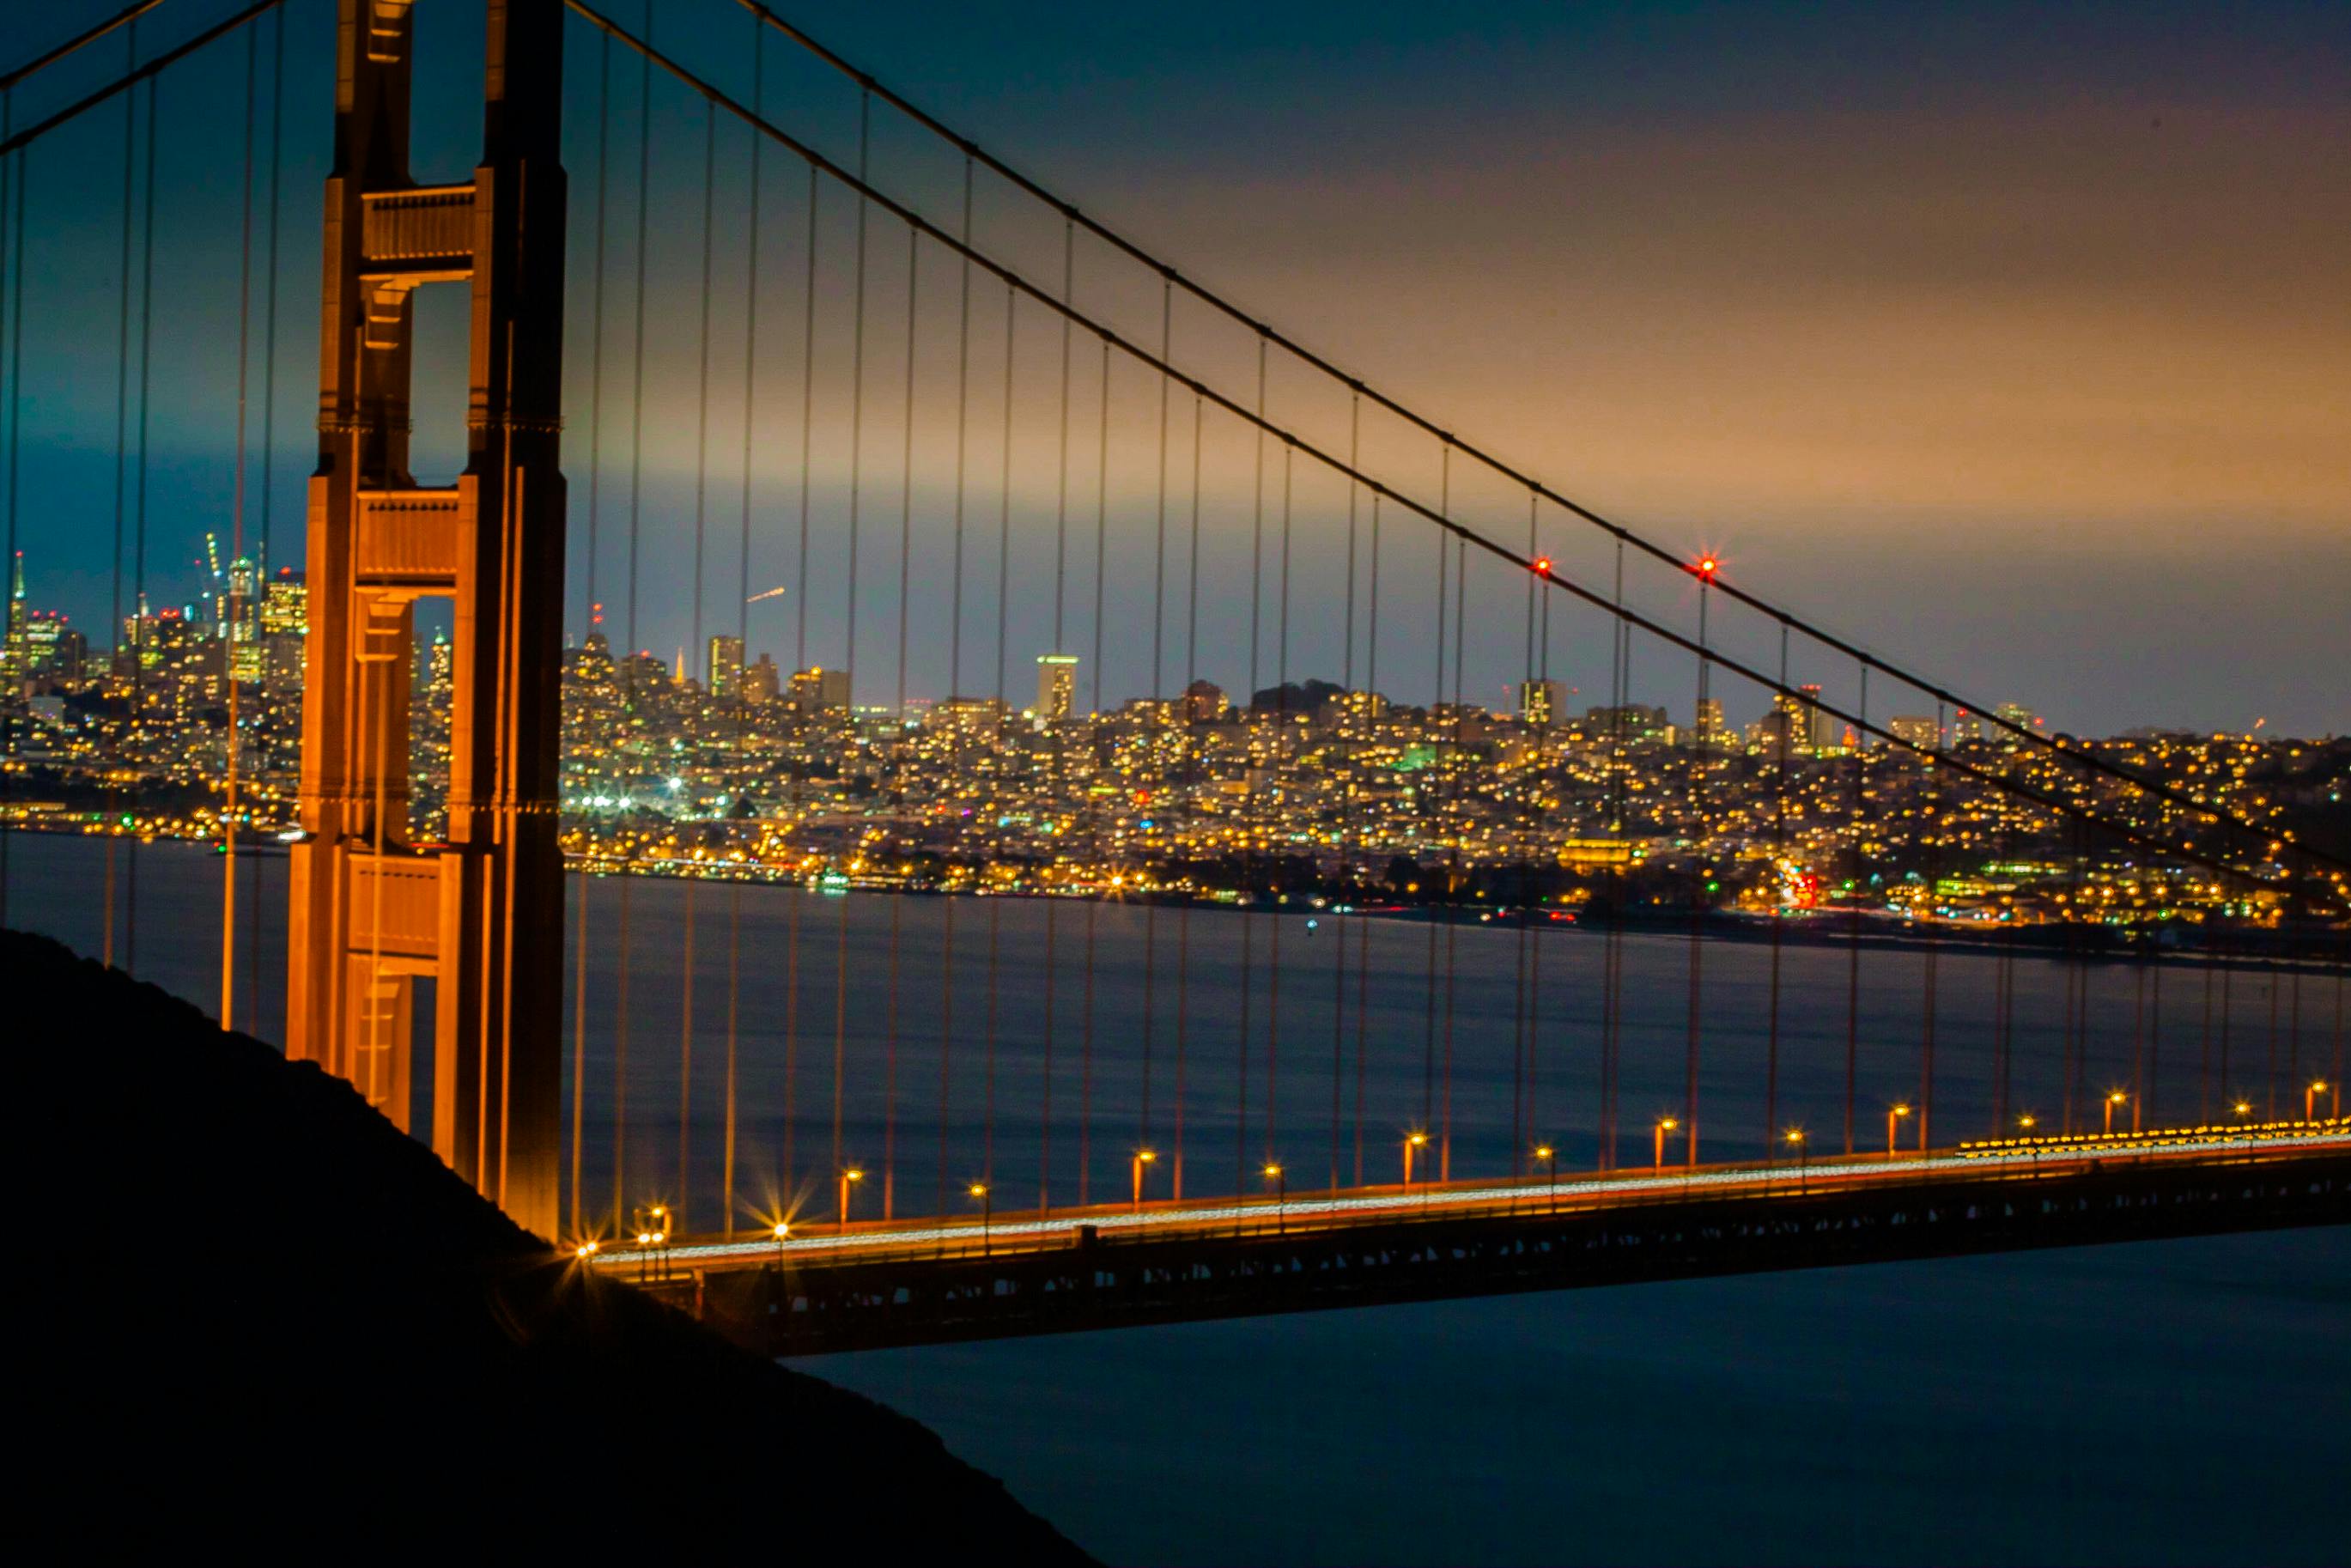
(1540, 702)
(725, 671)
(13, 653)
(1056, 685)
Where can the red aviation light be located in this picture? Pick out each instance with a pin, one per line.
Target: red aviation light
(1543, 565)
(1708, 566)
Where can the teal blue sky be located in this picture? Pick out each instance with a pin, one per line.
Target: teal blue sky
(2009, 339)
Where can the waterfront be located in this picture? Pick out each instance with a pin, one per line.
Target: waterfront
(1814, 1417)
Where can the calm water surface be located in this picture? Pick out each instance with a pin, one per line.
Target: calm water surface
(2173, 1402)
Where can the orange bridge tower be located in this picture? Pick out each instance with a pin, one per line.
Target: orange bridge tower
(372, 912)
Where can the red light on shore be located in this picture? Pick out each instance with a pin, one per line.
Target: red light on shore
(1543, 565)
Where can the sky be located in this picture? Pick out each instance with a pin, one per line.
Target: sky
(2012, 342)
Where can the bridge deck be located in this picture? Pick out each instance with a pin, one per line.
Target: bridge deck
(916, 1282)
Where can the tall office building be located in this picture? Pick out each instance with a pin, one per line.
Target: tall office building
(240, 622)
(723, 672)
(1056, 685)
(14, 660)
(1541, 701)
(1820, 730)
(819, 687)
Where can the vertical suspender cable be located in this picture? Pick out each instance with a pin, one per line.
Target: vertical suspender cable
(1540, 899)
(1430, 904)
(1059, 723)
(2076, 980)
(595, 608)
(252, 953)
(1158, 669)
(1094, 904)
(1613, 937)
(139, 536)
(269, 423)
(694, 640)
(1698, 892)
(1189, 783)
(1519, 1119)
(1852, 921)
(121, 441)
(800, 663)
(955, 680)
(1934, 825)
(736, 694)
(1003, 602)
(12, 336)
(1249, 880)
(1453, 877)
(1337, 886)
(1363, 933)
(237, 545)
(849, 632)
(898, 716)
(1275, 881)
(1779, 912)
(628, 685)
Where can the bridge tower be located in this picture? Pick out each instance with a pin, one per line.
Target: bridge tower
(482, 916)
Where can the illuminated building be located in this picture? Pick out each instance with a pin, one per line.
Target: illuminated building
(1541, 702)
(723, 667)
(1924, 733)
(1056, 685)
(819, 688)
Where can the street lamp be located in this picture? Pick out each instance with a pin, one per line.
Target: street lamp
(1549, 1157)
(1894, 1114)
(1795, 1137)
(1665, 1124)
(849, 1179)
(585, 1250)
(2310, 1098)
(978, 1190)
(1412, 1140)
(783, 1232)
(1281, 1179)
(2243, 1108)
(2114, 1098)
(1142, 1158)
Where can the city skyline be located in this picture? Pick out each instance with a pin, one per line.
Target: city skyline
(1888, 513)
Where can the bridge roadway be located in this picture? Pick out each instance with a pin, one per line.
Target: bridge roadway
(874, 1283)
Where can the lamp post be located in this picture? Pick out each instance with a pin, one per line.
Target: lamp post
(1796, 1139)
(1894, 1114)
(2310, 1098)
(1412, 1140)
(2024, 1125)
(849, 1179)
(2243, 1108)
(1281, 1179)
(652, 1238)
(2114, 1098)
(979, 1190)
(1549, 1157)
(1665, 1124)
(783, 1233)
(1142, 1158)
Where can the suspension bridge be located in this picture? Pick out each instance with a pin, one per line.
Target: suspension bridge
(1298, 943)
